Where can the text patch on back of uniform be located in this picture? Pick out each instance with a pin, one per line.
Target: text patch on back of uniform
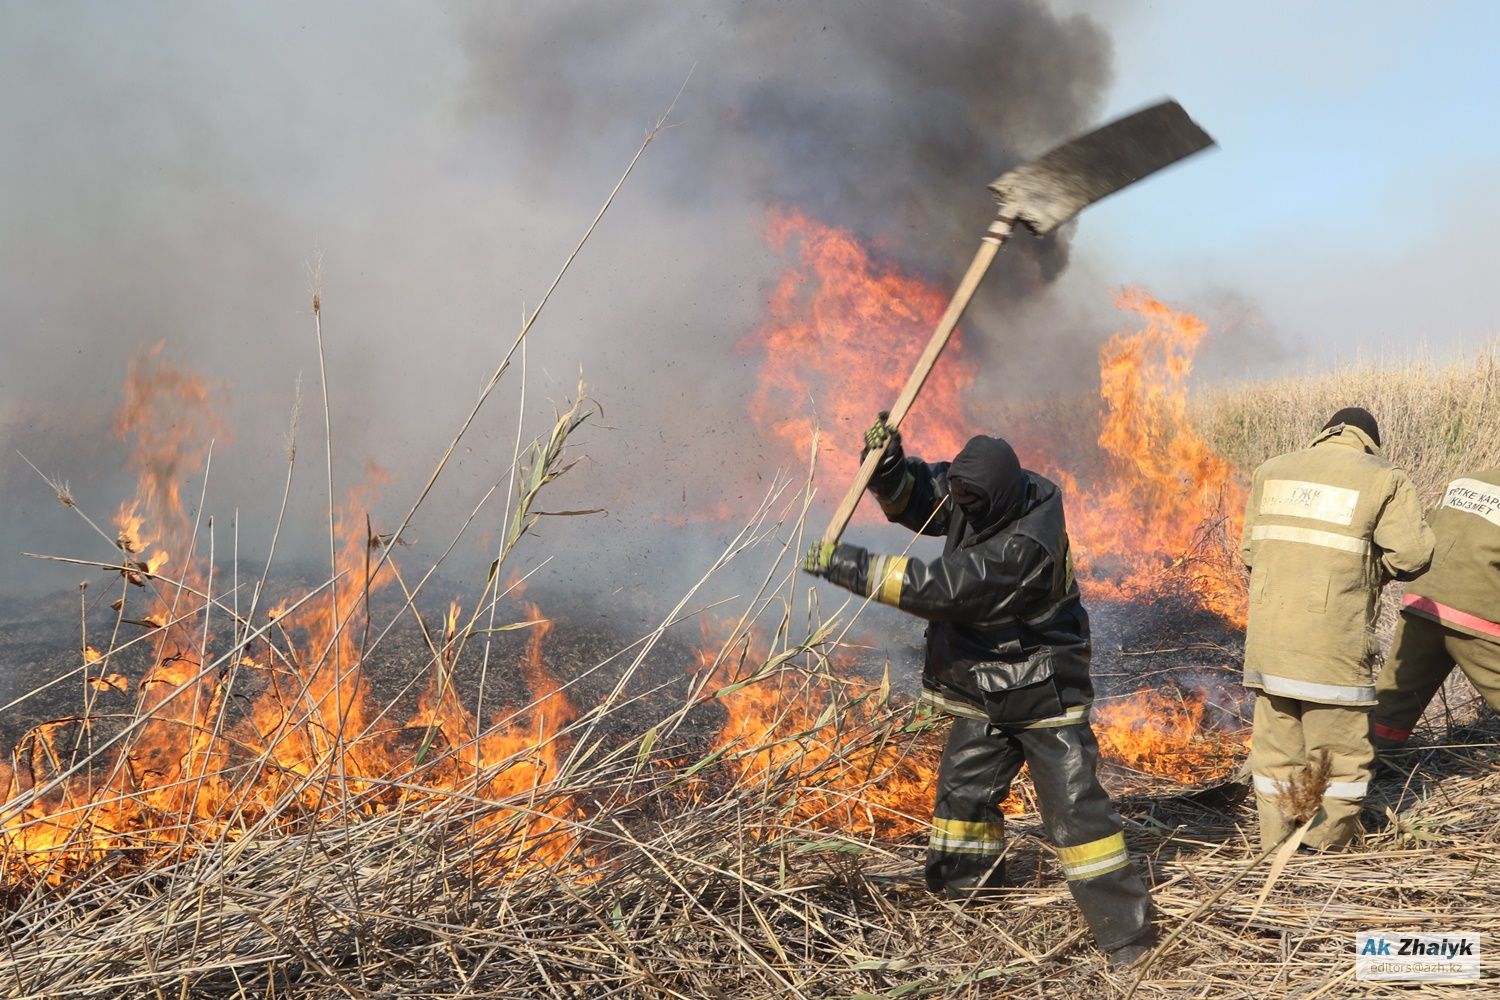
(1295, 498)
(1474, 496)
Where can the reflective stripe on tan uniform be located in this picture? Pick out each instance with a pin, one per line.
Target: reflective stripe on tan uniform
(1324, 528)
(1288, 734)
(1450, 614)
(1462, 590)
(1423, 654)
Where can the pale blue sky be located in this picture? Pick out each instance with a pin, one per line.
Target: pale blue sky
(1355, 198)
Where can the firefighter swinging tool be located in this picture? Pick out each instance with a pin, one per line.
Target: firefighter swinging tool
(1042, 195)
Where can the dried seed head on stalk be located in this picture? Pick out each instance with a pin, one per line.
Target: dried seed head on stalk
(63, 490)
(59, 486)
(296, 417)
(1300, 799)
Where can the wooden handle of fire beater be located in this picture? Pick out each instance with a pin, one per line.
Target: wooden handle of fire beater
(998, 232)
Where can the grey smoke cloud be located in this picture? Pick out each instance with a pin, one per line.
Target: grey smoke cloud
(169, 171)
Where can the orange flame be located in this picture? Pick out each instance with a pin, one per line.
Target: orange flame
(1167, 737)
(843, 330)
(311, 746)
(1146, 527)
(814, 743)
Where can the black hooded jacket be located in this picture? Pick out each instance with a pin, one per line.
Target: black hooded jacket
(1008, 632)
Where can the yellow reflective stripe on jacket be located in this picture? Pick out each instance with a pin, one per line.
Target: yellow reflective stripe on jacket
(883, 578)
(956, 836)
(1072, 717)
(1325, 694)
(936, 701)
(1309, 536)
(1094, 858)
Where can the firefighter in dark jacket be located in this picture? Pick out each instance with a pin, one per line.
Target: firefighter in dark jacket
(1008, 659)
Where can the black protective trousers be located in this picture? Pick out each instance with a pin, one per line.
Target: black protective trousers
(964, 855)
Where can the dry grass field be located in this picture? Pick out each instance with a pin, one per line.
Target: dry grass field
(1437, 420)
(640, 858)
(233, 812)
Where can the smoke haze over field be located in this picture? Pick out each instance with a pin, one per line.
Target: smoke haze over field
(170, 171)
(173, 173)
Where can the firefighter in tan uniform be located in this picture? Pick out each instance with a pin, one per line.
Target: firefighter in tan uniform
(1325, 528)
(1451, 615)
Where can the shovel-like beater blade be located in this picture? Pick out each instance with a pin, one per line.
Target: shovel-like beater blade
(1059, 184)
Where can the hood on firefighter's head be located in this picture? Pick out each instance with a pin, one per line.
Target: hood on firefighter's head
(1349, 434)
(987, 482)
(1355, 417)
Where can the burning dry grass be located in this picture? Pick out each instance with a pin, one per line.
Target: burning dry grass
(768, 862)
(734, 871)
(567, 848)
(774, 859)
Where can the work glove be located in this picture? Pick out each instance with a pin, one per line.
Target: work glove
(843, 565)
(878, 434)
(887, 479)
(819, 554)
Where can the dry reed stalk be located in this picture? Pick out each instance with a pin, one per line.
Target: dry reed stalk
(681, 879)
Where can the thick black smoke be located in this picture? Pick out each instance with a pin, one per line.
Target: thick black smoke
(887, 118)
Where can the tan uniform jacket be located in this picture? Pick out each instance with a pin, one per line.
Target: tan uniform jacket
(1324, 529)
(1462, 590)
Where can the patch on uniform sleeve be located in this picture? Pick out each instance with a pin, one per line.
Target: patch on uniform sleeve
(1474, 496)
(1317, 501)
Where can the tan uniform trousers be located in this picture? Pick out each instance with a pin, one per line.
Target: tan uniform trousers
(1422, 655)
(1288, 734)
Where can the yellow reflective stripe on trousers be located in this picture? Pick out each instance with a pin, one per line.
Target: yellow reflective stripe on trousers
(883, 578)
(1072, 717)
(1309, 536)
(956, 836)
(939, 703)
(1094, 858)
